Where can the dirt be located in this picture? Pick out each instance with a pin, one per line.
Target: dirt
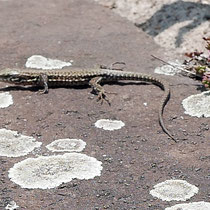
(134, 158)
(174, 25)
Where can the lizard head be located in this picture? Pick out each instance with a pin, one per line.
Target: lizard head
(18, 76)
(9, 75)
(12, 76)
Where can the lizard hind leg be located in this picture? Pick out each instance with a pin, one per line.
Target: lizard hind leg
(112, 66)
(99, 90)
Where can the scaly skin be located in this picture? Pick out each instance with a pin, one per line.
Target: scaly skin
(74, 76)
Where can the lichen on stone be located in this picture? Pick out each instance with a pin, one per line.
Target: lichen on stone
(40, 62)
(110, 125)
(174, 190)
(197, 105)
(5, 99)
(11, 206)
(14, 144)
(167, 69)
(191, 206)
(68, 145)
(51, 171)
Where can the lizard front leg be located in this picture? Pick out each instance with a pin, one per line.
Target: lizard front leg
(43, 82)
(95, 84)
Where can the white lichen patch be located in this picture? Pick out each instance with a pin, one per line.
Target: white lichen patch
(49, 172)
(68, 145)
(171, 70)
(174, 190)
(109, 124)
(5, 99)
(12, 206)
(40, 62)
(191, 206)
(197, 105)
(13, 144)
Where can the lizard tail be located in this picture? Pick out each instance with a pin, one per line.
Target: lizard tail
(165, 86)
(147, 78)
(164, 101)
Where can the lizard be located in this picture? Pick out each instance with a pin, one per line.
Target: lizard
(81, 76)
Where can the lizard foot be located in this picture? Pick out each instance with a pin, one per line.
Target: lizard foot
(43, 91)
(103, 97)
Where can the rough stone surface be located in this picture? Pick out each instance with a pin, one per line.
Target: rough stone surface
(134, 158)
(173, 24)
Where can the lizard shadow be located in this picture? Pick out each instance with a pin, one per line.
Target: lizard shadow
(19, 88)
(35, 88)
(124, 83)
(174, 13)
